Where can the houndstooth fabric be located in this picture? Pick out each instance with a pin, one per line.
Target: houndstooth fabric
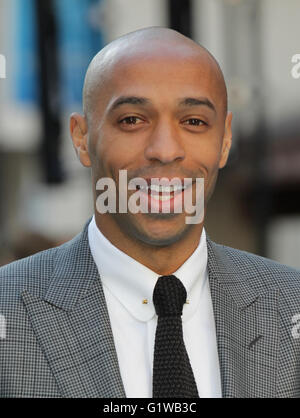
(58, 340)
(172, 372)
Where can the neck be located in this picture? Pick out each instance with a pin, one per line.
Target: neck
(164, 260)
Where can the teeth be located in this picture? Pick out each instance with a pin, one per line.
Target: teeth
(163, 189)
(161, 198)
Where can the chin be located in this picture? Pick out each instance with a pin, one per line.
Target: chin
(156, 229)
(160, 237)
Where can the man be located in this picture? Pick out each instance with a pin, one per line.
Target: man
(80, 319)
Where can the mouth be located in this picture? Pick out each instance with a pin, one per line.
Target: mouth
(163, 196)
(163, 193)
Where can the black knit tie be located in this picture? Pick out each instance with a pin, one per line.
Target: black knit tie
(172, 372)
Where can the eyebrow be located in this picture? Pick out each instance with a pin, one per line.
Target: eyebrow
(192, 101)
(133, 100)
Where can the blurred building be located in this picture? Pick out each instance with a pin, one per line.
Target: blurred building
(255, 206)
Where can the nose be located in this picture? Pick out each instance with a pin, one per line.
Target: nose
(164, 144)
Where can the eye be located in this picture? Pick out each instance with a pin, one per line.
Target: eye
(194, 122)
(130, 120)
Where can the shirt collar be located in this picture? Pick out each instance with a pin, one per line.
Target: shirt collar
(132, 283)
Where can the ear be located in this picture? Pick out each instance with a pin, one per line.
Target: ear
(79, 134)
(227, 141)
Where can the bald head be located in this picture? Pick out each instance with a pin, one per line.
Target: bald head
(151, 42)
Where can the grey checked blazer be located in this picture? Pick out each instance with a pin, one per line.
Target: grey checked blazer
(59, 341)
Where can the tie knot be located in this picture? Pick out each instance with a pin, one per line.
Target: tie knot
(169, 295)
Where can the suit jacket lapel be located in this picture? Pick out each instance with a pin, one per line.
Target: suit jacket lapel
(72, 325)
(246, 317)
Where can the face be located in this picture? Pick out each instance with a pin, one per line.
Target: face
(158, 116)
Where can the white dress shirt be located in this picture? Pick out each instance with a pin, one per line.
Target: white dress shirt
(127, 284)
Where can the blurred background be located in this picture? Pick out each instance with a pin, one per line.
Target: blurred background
(45, 49)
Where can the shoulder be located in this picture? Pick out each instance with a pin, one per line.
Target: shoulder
(258, 270)
(34, 273)
(31, 273)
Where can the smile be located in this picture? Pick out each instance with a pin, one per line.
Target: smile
(162, 193)
(151, 195)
